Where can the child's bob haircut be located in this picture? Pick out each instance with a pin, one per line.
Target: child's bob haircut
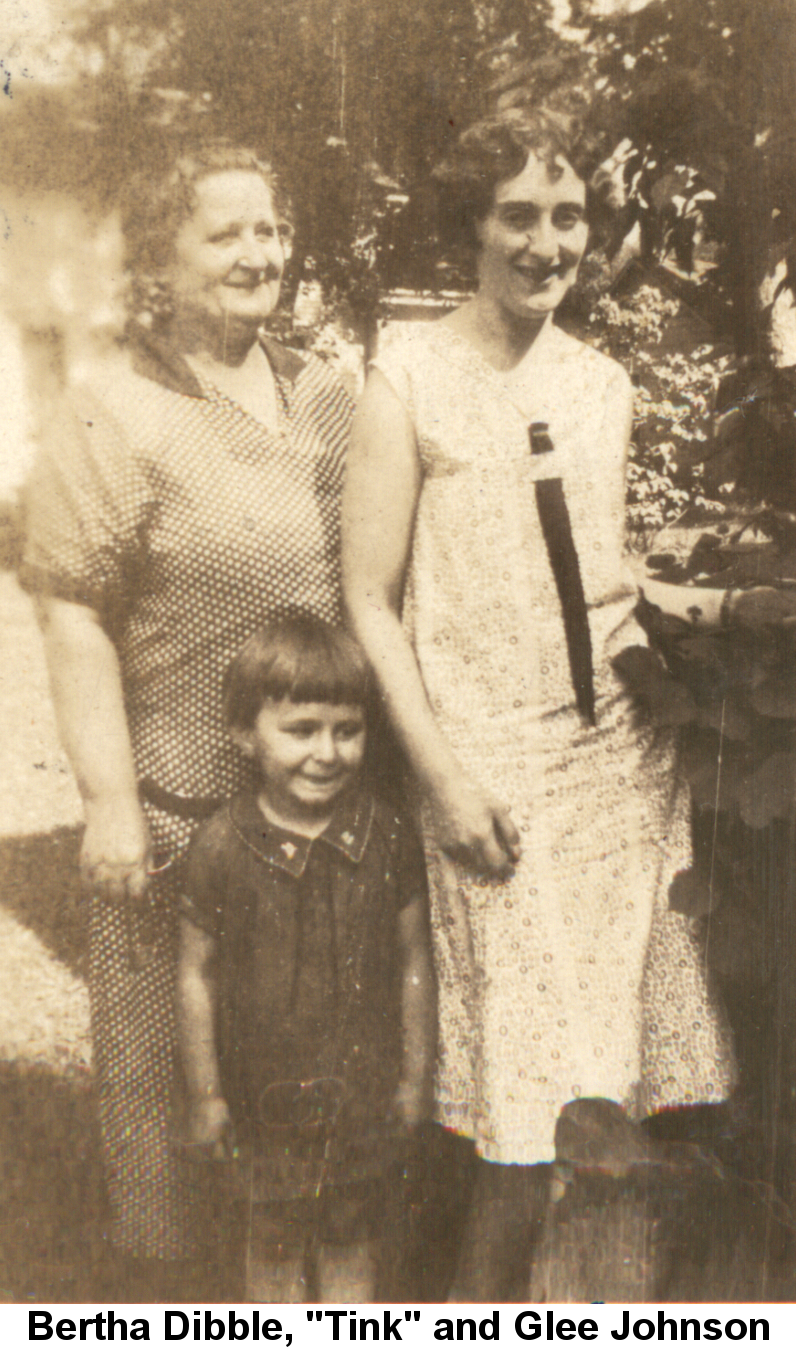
(302, 659)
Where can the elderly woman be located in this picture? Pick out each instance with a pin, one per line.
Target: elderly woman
(183, 501)
(483, 562)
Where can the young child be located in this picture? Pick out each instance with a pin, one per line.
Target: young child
(306, 999)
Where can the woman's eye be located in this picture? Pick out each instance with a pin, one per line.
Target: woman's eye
(567, 221)
(518, 221)
(265, 233)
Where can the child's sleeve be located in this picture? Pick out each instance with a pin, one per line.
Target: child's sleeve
(204, 879)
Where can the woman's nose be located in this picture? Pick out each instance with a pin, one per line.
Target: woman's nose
(543, 239)
(258, 253)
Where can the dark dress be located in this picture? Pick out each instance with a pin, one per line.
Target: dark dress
(309, 988)
(186, 524)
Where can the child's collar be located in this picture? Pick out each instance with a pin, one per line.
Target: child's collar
(347, 831)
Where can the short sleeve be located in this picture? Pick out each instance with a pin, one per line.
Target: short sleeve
(205, 873)
(86, 506)
(394, 361)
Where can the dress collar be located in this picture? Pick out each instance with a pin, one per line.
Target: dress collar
(347, 832)
(545, 347)
(154, 357)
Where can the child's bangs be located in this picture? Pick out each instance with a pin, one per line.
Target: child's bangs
(319, 674)
(300, 659)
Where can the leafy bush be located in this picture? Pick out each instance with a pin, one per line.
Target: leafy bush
(673, 409)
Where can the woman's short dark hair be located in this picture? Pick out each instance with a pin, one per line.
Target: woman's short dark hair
(155, 205)
(496, 149)
(302, 659)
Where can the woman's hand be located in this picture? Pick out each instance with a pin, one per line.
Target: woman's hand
(116, 855)
(474, 828)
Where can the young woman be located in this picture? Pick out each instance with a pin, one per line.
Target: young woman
(483, 534)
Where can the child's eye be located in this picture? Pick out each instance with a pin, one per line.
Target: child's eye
(303, 730)
(350, 731)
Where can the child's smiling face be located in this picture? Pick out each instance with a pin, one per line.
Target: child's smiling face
(308, 754)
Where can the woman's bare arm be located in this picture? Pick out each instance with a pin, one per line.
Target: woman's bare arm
(382, 488)
(89, 707)
(761, 607)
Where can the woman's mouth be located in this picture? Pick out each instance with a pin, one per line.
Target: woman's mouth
(540, 278)
(250, 282)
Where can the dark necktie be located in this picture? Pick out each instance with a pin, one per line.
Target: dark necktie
(563, 556)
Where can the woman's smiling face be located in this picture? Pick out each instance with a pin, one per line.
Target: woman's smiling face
(229, 255)
(533, 239)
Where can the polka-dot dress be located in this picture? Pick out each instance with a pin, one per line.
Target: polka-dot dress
(186, 524)
(571, 978)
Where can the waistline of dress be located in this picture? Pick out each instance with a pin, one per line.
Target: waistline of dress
(189, 808)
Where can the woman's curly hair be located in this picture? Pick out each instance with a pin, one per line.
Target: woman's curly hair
(155, 205)
(496, 149)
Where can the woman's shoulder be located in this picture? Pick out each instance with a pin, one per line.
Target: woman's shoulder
(412, 356)
(112, 396)
(591, 362)
(410, 338)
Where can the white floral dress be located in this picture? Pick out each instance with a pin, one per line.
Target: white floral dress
(571, 978)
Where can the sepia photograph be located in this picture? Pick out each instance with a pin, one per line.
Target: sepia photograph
(398, 590)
